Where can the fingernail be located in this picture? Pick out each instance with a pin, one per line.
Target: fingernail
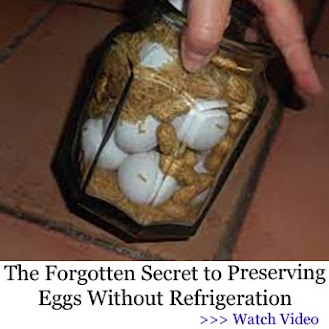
(192, 60)
(319, 89)
(312, 92)
(314, 86)
(307, 96)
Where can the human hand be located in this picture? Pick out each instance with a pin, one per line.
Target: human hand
(207, 20)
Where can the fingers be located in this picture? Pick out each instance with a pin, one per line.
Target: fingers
(286, 28)
(206, 24)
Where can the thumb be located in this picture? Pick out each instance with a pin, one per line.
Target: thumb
(207, 20)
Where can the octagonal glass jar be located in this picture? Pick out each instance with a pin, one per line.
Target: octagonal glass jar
(148, 146)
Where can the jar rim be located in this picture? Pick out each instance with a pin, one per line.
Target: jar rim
(255, 49)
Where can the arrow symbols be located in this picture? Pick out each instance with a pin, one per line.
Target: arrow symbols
(204, 320)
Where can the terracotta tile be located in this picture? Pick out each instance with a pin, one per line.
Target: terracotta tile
(44, 73)
(16, 15)
(288, 218)
(37, 87)
(320, 40)
(22, 241)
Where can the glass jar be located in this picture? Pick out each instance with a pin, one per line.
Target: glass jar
(148, 146)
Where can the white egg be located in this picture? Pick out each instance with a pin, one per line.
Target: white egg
(179, 4)
(204, 126)
(93, 133)
(137, 177)
(202, 197)
(137, 137)
(111, 156)
(107, 119)
(199, 167)
(142, 181)
(154, 56)
(91, 138)
(165, 187)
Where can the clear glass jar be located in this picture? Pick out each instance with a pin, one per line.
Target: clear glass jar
(149, 146)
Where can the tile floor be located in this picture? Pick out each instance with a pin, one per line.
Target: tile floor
(39, 72)
(16, 15)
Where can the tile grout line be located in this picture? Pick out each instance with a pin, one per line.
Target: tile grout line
(76, 235)
(20, 37)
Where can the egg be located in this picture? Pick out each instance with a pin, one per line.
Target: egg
(142, 181)
(180, 5)
(165, 187)
(93, 133)
(111, 156)
(154, 56)
(204, 126)
(91, 138)
(137, 137)
(199, 167)
(202, 197)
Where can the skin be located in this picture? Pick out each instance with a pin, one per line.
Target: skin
(207, 20)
